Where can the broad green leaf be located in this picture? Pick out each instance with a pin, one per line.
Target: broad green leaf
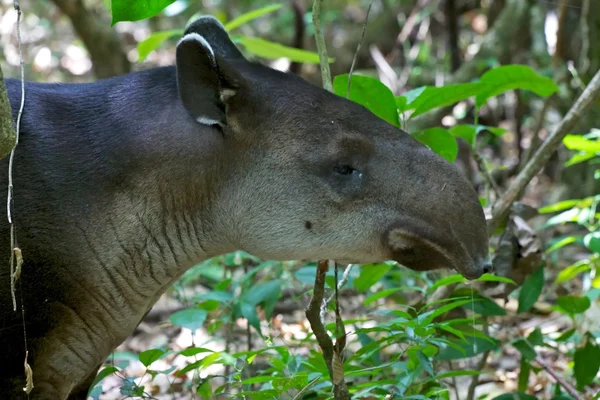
(248, 311)
(149, 356)
(370, 93)
(466, 132)
(192, 318)
(511, 77)
(486, 306)
(263, 292)
(571, 215)
(536, 338)
(435, 97)
(251, 15)
(578, 142)
(525, 348)
(592, 241)
(127, 10)
(440, 141)
(153, 41)
(271, 50)
(531, 290)
(470, 348)
(574, 304)
(428, 317)
(587, 362)
(217, 295)
(401, 102)
(411, 96)
(386, 292)
(370, 274)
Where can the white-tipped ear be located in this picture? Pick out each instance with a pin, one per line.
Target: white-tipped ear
(214, 33)
(203, 42)
(205, 81)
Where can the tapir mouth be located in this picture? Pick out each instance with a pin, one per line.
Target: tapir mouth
(424, 249)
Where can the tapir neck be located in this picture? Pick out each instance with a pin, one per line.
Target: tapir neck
(137, 173)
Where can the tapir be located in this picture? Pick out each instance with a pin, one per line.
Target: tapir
(122, 184)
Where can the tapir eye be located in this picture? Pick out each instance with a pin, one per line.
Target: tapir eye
(344, 169)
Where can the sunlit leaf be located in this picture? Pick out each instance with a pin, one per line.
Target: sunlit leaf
(127, 10)
(370, 93)
(447, 280)
(440, 141)
(494, 278)
(561, 243)
(106, 371)
(573, 270)
(560, 206)
(251, 15)
(271, 50)
(578, 142)
(511, 77)
(153, 41)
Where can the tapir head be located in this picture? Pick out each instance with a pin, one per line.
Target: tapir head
(307, 174)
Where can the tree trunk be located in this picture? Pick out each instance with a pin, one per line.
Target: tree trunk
(101, 41)
(7, 132)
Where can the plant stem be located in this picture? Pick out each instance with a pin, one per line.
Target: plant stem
(321, 48)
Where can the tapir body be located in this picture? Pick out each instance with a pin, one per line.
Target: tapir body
(123, 184)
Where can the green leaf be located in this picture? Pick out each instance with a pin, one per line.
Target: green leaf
(574, 304)
(515, 396)
(440, 141)
(511, 77)
(536, 338)
(149, 356)
(217, 295)
(468, 349)
(466, 132)
(370, 274)
(192, 351)
(266, 49)
(486, 306)
(592, 241)
(525, 348)
(435, 97)
(106, 371)
(587, 362)
(580, 157)
(386, 292)
(561, 243)
(560, 206)
(494, 278)
(573, 270)
(251, 15)
(531, 290)
(192, 318)
(523, 381)
(370, 93)
(249, 312)
(578, 142)
(447, 280)
(153, 41)
(127, 10)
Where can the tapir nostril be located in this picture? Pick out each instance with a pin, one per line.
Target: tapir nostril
(488, 268)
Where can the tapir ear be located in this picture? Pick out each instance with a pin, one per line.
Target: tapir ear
(205, 80)
(214, 32)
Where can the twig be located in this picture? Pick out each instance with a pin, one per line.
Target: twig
(475, 378)
(313, 314)
(321, 48)
(362, 37)
(406, 30)
(341, 283)
(559, 379)
(543, 154)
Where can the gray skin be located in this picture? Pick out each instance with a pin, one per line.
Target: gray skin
(123, 184)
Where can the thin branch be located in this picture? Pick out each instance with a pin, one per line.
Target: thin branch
(559, 379)
(362, 37)
(545, 151)
(341, 283)
(321, 48)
